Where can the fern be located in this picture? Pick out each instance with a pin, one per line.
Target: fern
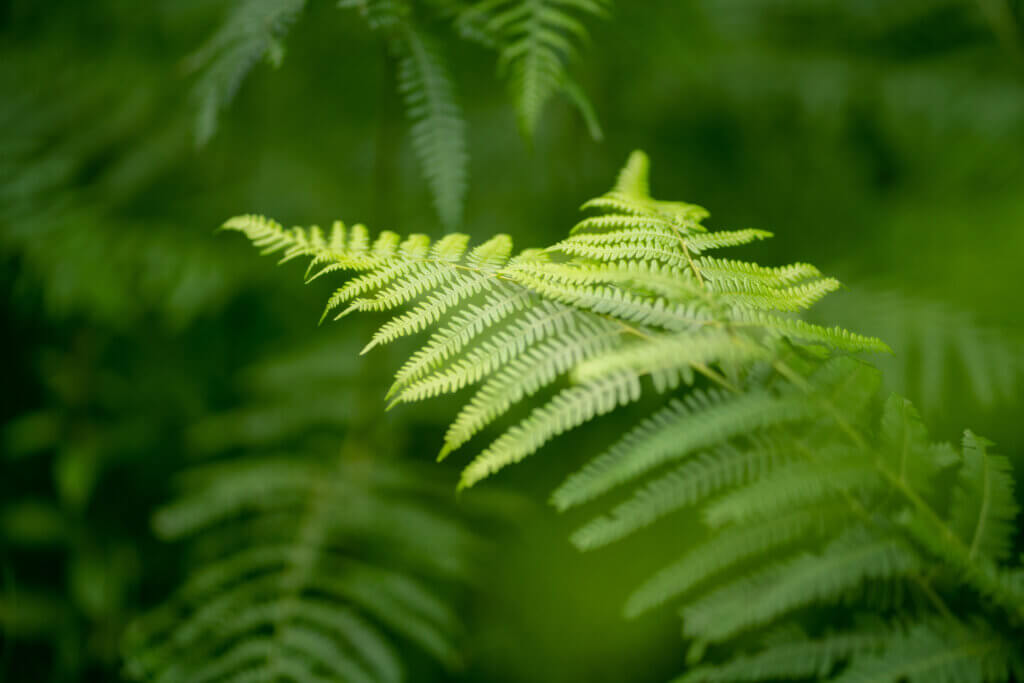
(813, 489)
(320, 571)
(253, 31)
(929, 339)
(536, 40)
(438, 128)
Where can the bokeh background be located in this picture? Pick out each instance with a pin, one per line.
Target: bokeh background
(880, 140)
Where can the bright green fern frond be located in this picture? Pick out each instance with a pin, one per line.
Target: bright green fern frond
(536, 368)
(805, 487)
(570, 408)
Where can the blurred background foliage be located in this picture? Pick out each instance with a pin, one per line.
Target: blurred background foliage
(882, 141)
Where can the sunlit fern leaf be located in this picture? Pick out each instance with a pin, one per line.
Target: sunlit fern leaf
(314, 570)
(252, 31)
(658, 321)
(536, 39)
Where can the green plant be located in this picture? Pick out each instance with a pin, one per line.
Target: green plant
(309, 569)
(814, 495)
(535, 40)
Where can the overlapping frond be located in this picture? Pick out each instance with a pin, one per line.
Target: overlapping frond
(321, 572)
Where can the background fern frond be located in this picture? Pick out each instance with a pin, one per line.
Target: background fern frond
(252, 31)
(537, 39)
(316, 565)
(438, 124)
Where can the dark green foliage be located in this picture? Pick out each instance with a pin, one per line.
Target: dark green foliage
(308, 570)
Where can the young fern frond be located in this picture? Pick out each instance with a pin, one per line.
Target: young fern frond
(287, 595)
(811, 488)
(536, 41)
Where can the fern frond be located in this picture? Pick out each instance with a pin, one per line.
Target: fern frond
(800, 330)
(438, 125)
(537, 324)
(693, 481)
(804, 580)
(724, 271)
(795, 657)
(570, 408)
(798, 484)
(793, 298)
(701, 420)
(984, 509)
(290, 602)
(524, 376)
(936, 652)
(672, 358)
(783, 443)
(730, 546)
(536, 41)
(464, 327)
(252, 31)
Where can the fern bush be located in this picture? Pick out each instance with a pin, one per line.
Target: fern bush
(818, 500)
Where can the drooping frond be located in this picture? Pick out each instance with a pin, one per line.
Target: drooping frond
(317, 567)
(438, 125)
(252, 31)
(941, 354)
(536, 41)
